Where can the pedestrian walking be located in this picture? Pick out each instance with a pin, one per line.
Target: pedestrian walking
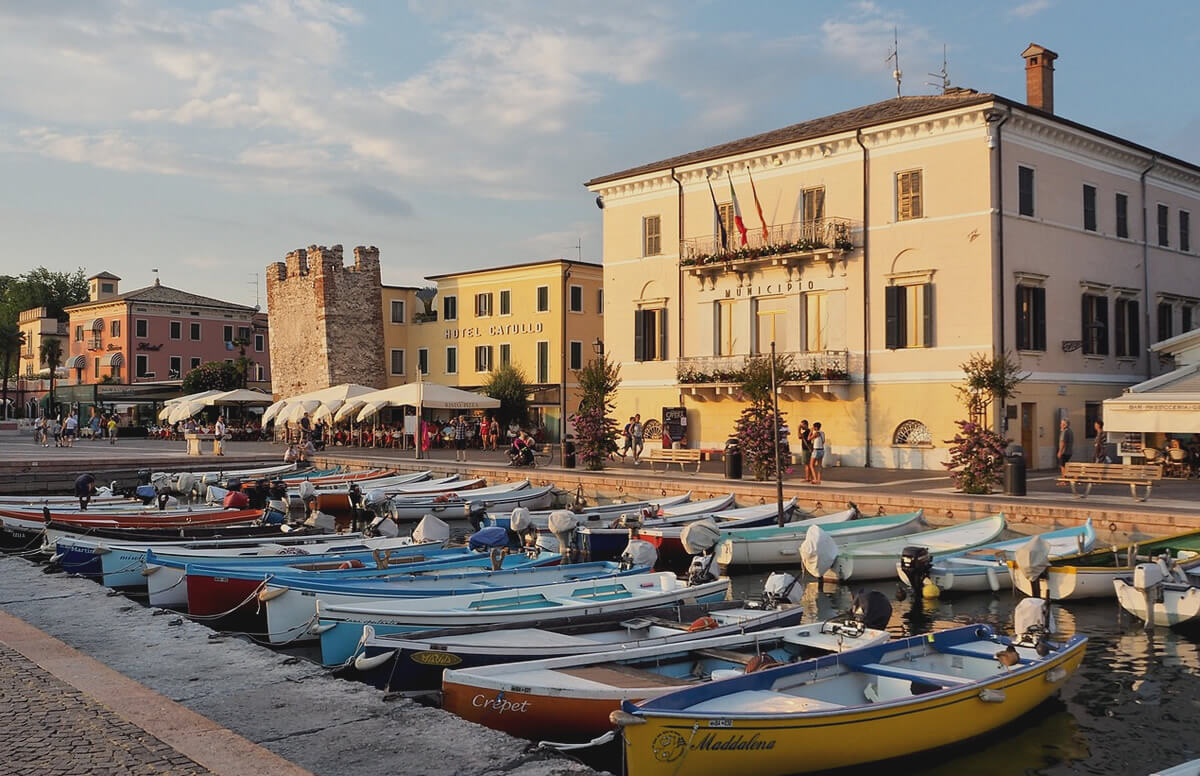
(804, 435)
(461, 433)
(1100, 454)
(818, 452)
(639, 441)
(1066, 445)
(56, 430)
(112, 429)
(94, 425)
(71, 429)
(627, 437)
(221, 431)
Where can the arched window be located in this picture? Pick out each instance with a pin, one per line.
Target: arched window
(912, 432)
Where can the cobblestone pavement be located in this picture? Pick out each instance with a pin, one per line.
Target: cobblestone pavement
(47, 727)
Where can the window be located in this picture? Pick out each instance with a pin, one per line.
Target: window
(451, 360)
(483, 305)
(600, 300)
(812, 203)
(725, 226)
(1089, 208)
(649, 335)
(1185, 231)
(1025, 191)
(114, 328)
(1185, 318)
(260, 373)
(908, 195)
(143, 365)
(244, 334)
(652, 235)
(543, 361)
(543, 298)
(912, 432)
(450, 308)
(909, 316)
(79, 334)
(176, 330)
(194, 332)
(1031, 317)
(423, 360)
(1094, 319)
(397, 311)
(816, 323)
(195, 362)
(1122, 215)
(505, 354)
(1126, 328)
(397, 361)
(141, 328)
(106, 288)
(576, 299)
(483, 358)
(1163, 238)
(723, 327)
(227, 334)
(260, 343)
(575, 359)
(1165, 315)
(96, 367)
(176, 367)
(506, 302)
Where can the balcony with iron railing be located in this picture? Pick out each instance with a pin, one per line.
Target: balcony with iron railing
(783, 244)
(801, 373)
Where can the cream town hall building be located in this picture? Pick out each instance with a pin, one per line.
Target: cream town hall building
(897, 240)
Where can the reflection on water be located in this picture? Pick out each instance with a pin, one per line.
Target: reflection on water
(1130, 709)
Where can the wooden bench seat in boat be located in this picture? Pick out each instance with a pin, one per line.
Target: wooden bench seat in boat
(986, 650)
(911, 674)
(1091, 474)
(763, 702)
(617, 675)
(728, 655)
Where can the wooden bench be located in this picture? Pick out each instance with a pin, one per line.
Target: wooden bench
(668, 457)
(1091, 474)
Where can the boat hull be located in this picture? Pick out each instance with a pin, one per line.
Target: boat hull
(1180, 604)
(701, 745)
(531, 715)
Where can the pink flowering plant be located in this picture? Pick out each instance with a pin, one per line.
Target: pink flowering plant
(976, 457)
(755, 431)
(595, 431)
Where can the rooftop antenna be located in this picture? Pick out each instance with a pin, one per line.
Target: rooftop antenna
(578, 246)
(894, 59)
(942, 75)
(254, 281)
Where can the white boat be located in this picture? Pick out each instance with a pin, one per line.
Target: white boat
(1160, 593)
(461, 504)
(775, 545)
(341, 626)
(668, 505)
(986, 567)
(1190, 768)
(877, 559)
(1091, 574)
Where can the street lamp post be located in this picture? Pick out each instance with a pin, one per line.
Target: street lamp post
(775, 429)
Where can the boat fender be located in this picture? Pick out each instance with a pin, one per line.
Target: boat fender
(149, 569)
(1056, 674)
(761, 663)
(930, 590)
(993, 580)
(725, 673)
(317, 630)
(267, 594)
(620, 718)
(345, 565)
(703, 624)
(992, 696)
(364, 663)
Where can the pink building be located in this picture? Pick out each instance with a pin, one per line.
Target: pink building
(157, 334)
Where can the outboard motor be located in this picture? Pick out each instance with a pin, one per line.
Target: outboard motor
(781, 589)
(872, 608)
(698, 540)
(235, 499)
(431, 529)
(273, 517)
(257, 493)
(1031, 561)
(639, 554)
(702, 569)
(307, 490)
(916, 563)
(143, 476)
(164, 498)
(1148, 580)
(562, 524)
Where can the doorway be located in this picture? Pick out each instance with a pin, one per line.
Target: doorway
(1029, 433)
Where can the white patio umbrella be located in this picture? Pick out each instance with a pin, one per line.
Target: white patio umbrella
(422, 394)
(283, 410)
(183, 410)
(237, 398)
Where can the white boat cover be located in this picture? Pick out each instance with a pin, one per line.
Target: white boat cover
(818, 551)
(699, 537)
(1033, 558)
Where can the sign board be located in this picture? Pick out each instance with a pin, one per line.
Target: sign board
(674, 421)
(1131, 444)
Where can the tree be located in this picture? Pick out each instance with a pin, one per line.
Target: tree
(242, 364)
(212, 376)
(51, 356)
(989, 381)
(758, 426)
(595, 430)
(41, 288)
(976, 457)
(11, 341)
(509, 384)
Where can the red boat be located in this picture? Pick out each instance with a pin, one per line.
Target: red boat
(138, 520)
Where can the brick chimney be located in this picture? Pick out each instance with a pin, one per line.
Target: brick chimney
(1039, 77)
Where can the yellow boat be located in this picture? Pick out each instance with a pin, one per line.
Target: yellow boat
(862, 706)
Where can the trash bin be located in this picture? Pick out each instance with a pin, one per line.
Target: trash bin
(569, 454)
(733, 459)
(1014, 471)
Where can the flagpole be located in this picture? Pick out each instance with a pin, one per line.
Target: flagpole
(720, 221)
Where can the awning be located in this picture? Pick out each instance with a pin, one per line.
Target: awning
(78, 362)
(97, 324)
(113, 359)
(1170, 413)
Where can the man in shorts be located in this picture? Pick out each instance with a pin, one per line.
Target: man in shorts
(802, 433)
(638, 434)
(461, 434)
(627, 434)
(1066, 445)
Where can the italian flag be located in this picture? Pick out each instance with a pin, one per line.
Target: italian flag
(737, 211)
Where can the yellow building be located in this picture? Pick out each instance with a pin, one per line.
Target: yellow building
(545, 317)
(991, 226)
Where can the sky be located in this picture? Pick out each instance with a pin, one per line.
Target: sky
(206, 140)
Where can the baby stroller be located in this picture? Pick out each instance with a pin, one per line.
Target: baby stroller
(520, 455)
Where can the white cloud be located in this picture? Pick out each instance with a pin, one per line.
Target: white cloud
(863, 36)
(1031, 8)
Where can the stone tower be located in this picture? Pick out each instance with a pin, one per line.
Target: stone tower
(326, 322)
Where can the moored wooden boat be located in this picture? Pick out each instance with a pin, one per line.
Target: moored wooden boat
(341, 626)
(404, 661)
(572, 698)
(1159, 593)
(667, 505)
(864, 706)
(1091, 574)
(775, 545)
